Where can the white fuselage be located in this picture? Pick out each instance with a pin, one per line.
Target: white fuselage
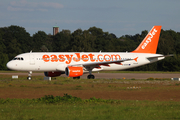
(58, 61)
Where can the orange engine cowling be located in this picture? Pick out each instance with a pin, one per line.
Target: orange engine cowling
(52, 74)
(73, 71)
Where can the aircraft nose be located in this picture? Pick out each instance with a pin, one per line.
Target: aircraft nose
(10, 65)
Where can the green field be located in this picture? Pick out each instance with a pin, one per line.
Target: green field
(71, 108)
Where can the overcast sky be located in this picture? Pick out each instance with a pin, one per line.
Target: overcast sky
(120, 17)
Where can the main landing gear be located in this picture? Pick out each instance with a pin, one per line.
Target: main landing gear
(90, 76)
(29, 75)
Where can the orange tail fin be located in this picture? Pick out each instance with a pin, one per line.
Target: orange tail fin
(150, 42)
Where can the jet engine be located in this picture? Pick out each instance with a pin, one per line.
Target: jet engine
(74, 71)
(52, 74)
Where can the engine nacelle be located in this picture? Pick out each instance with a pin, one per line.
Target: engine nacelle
(73, 71)
(52, 74)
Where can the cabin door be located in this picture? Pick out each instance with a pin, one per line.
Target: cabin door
(32, 59)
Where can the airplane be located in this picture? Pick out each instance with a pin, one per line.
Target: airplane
(75, 64)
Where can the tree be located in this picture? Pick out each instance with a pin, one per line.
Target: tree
(39, 39)
(3, 60)
(62, 41)
(19, 33)
(78, 43)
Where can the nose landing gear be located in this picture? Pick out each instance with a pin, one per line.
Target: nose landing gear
(29, 75)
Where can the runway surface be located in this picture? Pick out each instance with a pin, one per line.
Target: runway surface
(113, 75)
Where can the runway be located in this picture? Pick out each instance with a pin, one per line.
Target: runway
(111, 75)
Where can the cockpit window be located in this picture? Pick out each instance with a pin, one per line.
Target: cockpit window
(18, 58)
(14, 58)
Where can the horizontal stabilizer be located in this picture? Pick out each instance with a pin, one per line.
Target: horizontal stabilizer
(160, 56)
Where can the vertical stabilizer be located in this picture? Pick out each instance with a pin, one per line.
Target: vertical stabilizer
(150, 42)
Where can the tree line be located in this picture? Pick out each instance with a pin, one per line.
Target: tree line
(15, 40)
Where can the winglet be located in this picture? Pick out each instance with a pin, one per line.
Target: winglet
(136, 59)
(150, 42)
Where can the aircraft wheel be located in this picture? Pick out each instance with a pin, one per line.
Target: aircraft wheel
(29, 78)
(90, 76)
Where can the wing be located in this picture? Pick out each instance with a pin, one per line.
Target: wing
(105, 63)
(90, 66)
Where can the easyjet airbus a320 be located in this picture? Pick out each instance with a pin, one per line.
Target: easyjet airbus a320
(74, 64)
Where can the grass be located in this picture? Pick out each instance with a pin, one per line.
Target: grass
(88, 109)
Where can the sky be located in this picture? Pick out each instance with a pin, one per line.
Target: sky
(120, 17)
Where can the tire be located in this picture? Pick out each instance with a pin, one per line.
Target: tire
(90, 77)
(28, 78)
